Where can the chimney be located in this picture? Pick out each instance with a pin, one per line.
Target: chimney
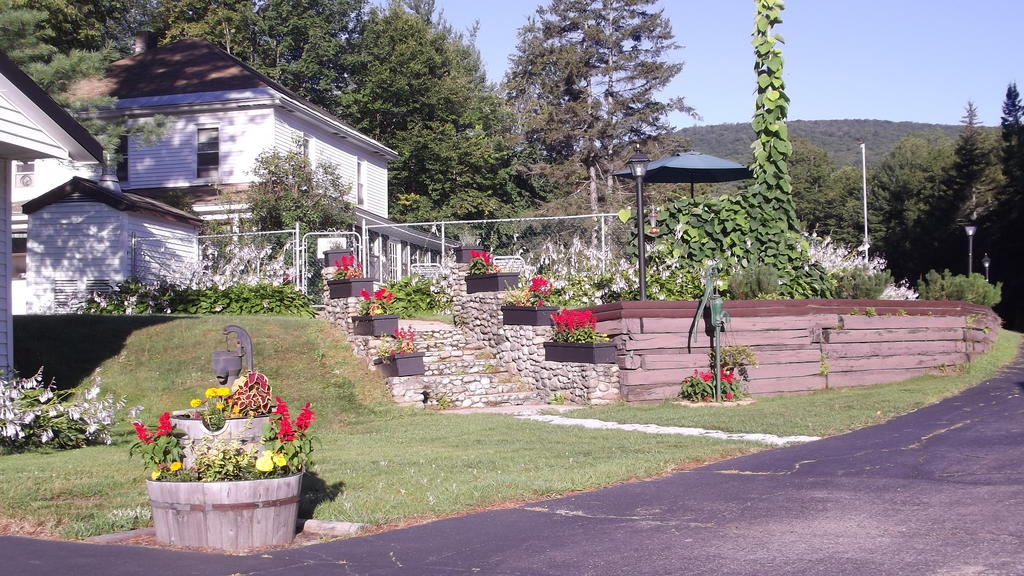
(144, 40)
(108, 179)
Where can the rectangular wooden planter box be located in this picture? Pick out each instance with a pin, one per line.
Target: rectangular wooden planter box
(335, 254)
(600, 353)
(527, 315)
(379, 325)
(407, 364)
(349, 287)
(462, 253)
(491, 282)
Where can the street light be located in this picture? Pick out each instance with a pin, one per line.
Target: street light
(638, 166)
(864, 186)
(970, 229)
(986, 262)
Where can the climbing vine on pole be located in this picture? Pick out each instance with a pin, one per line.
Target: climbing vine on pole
(772, 149)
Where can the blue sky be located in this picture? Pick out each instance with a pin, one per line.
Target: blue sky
(900, 60)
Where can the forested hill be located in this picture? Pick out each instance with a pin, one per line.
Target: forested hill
(840, 138)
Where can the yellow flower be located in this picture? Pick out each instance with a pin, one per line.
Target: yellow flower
(223, 391)
(154, 475)
(220, 405)
(279, 459)
(211, 392)
(175, 466)
(195, 402)
(265, 463)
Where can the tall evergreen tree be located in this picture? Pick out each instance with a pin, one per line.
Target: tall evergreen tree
(1012, 135)
(908, 183)
(584, 80)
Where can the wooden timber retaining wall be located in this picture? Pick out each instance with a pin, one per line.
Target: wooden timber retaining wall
(800, 345)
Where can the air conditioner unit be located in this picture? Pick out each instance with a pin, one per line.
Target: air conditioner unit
(24, 181)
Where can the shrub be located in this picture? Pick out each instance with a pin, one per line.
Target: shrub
(134, 297)
(949, 286)
(860, 283)
(754, 281)
(416, 295)
(34, 414)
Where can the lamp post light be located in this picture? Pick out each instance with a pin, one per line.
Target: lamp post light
(864, 187)
(986, 262)
(638, 166)
(970, 229)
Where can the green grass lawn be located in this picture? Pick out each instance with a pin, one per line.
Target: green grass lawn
(377, 464)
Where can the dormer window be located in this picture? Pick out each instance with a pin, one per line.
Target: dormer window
(208, 153)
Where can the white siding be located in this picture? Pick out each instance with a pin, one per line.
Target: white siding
(377, 186)
(171, 162)
(163, 250)
(6, 338)
(19, 130)
(79, 241)
(342, 153)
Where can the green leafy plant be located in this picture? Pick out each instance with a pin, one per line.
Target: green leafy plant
(577, 326)
(134, 297)
(948, 286)
(557, 399)
(700, 387)
(416, 295)
(870, 312)
(735, 359)
(532, 293)
(754, 282)
(859, 283)
(34, 414)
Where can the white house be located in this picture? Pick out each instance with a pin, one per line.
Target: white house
(221, 114)
(32, 127)
(86, 237)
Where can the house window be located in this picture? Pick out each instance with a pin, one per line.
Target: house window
(208, 153)
(360, 183)
(122, 158)
(24, 174)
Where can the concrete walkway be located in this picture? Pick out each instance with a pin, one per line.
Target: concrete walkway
(676, 430)
(939, 491)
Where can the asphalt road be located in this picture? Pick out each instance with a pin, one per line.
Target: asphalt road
(939, 491)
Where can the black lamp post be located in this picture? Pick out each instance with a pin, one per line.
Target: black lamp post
(638, 166)
(986, 262)
(970, 229)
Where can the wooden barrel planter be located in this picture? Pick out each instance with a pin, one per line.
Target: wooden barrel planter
(238, 515)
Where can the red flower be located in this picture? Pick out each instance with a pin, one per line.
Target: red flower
(364, 294)
(142, 432)
(305, 418)
(284, 422)
(164, 427)
(728, 395)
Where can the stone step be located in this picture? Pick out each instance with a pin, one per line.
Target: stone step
(459, 365)
(495, 399)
